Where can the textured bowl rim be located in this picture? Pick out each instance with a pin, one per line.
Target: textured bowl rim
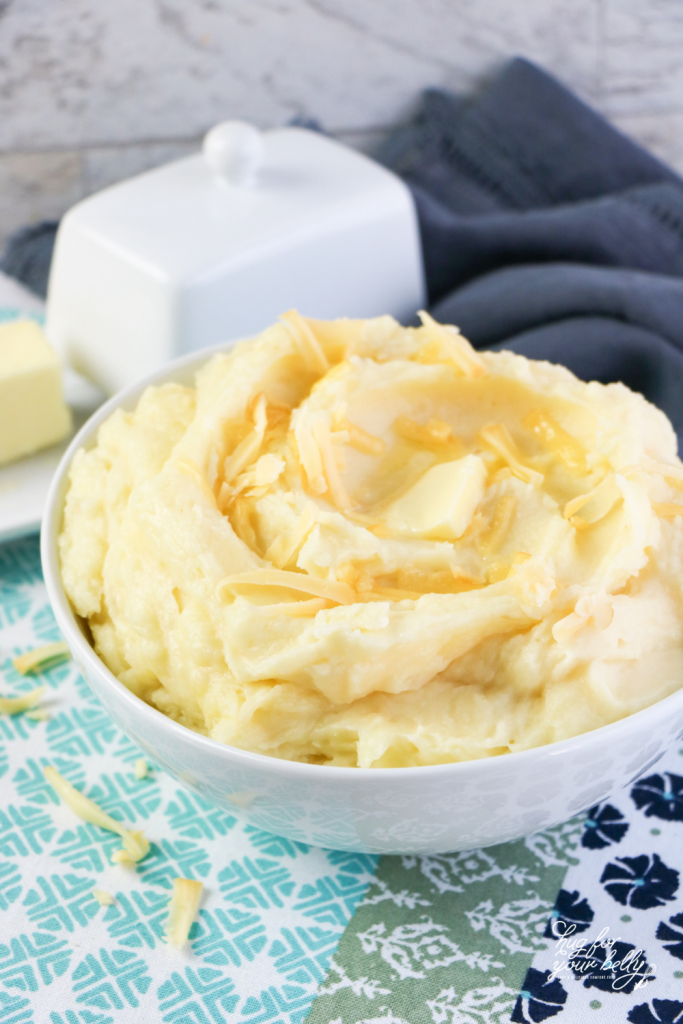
(67, 622)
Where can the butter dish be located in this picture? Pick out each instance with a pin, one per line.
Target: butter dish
(215, 246)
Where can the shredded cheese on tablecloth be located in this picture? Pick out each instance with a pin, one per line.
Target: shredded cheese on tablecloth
(135, 846)
(13, 705)
(105, 899)
(181, 910)
(41, 658)
(38, 715)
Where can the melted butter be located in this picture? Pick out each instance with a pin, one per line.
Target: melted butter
(441, 504)
(558, 442)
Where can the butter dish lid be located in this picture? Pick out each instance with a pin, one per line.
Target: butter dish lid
(247, 189)
(214, 247)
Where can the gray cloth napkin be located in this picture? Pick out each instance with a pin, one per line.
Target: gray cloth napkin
(546, 231)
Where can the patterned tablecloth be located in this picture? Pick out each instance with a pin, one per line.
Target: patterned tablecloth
(583, 921)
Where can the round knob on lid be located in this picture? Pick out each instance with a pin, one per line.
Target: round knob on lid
(233, 150)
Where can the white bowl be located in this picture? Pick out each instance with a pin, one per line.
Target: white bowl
(374, 810)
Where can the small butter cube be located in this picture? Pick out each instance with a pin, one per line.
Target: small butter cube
(33, 413)
(441, 504)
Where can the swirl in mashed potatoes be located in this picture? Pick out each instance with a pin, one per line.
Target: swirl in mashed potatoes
(360, 544)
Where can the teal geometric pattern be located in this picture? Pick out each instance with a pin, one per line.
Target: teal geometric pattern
(273, 910)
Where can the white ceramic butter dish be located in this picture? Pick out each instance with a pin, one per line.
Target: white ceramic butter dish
(215, 246)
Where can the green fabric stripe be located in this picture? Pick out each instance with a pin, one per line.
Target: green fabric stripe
(454, 930)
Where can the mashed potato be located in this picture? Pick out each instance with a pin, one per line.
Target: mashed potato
(360, 544)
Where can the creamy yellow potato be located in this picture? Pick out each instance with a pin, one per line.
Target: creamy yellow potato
(360, 544)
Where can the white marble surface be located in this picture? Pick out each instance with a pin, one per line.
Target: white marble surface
(91, 92)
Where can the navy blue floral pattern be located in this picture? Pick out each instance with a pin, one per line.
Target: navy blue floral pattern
(640, 882)
(539, 998)
(604, 825)
(661, 796)
(665, 1011)
(612, 968)
(571, 914)
(671, 936)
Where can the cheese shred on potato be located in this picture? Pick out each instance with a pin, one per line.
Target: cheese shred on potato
(357, 544)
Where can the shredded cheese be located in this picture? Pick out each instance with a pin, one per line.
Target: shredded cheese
(310, 456)
(497, 571)
(359, 439)
(14, 705)
(395, 594)
(258, 408)
(257, 492)
(667, 509)
(141, 769)
(498, 437)
(521, 557)
(105, 899)
(435, 432)
(358, 578)
(319, 458)
(594, 505)
(240, 520)
(555, 439)
(294, 609)
(182, 909)
(661, 468)
(247, 450)
(446, 344)
(190, 469)
(672, 474)
(124, 857)
(408, 584)
(278, 413)
(501, 520)
(461, 576)
(285, 546)
(321, 433)
(305, 341)
(379, 529)
(243, 455)
(41, 658)
(135, 846)
(262, 473)
(38, 715)
(596, 608)
(331, 590)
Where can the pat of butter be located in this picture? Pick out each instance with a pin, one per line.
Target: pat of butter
(441, 504)
(33, 413)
